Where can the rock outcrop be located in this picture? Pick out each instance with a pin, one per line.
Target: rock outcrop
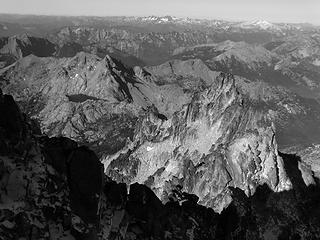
(215, 141)
(33, 199)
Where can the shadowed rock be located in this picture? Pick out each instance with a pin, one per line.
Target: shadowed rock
(85, 182)
(12, 126)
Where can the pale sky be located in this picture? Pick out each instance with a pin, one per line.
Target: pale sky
(271, 10)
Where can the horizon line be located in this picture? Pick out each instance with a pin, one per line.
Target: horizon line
(164, 15)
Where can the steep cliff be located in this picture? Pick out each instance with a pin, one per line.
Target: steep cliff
(216, 140)
(15, 47)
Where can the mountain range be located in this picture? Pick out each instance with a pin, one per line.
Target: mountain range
(158, 128)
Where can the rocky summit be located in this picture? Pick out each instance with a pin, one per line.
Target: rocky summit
(215, 141)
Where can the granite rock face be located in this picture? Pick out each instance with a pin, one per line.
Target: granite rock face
(215, 141)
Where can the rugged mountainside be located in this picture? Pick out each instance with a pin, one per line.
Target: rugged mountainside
(65, 85)
(215, 141)
(285, 63)
(151, 47)
(155, 47)
(71, 49)
(274, 80)
(53, 189)
(33, 201)
(212, 125)
(18, 46)
(295, 117)
(63, 95)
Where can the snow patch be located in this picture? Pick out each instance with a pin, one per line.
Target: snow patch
(262, 24)
(316, 62)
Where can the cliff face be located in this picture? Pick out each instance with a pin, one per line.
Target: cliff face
(29, 191)
(18, 46)
(215, 141)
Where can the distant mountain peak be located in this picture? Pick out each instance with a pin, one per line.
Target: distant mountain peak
(260, 23)
(159, 19)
